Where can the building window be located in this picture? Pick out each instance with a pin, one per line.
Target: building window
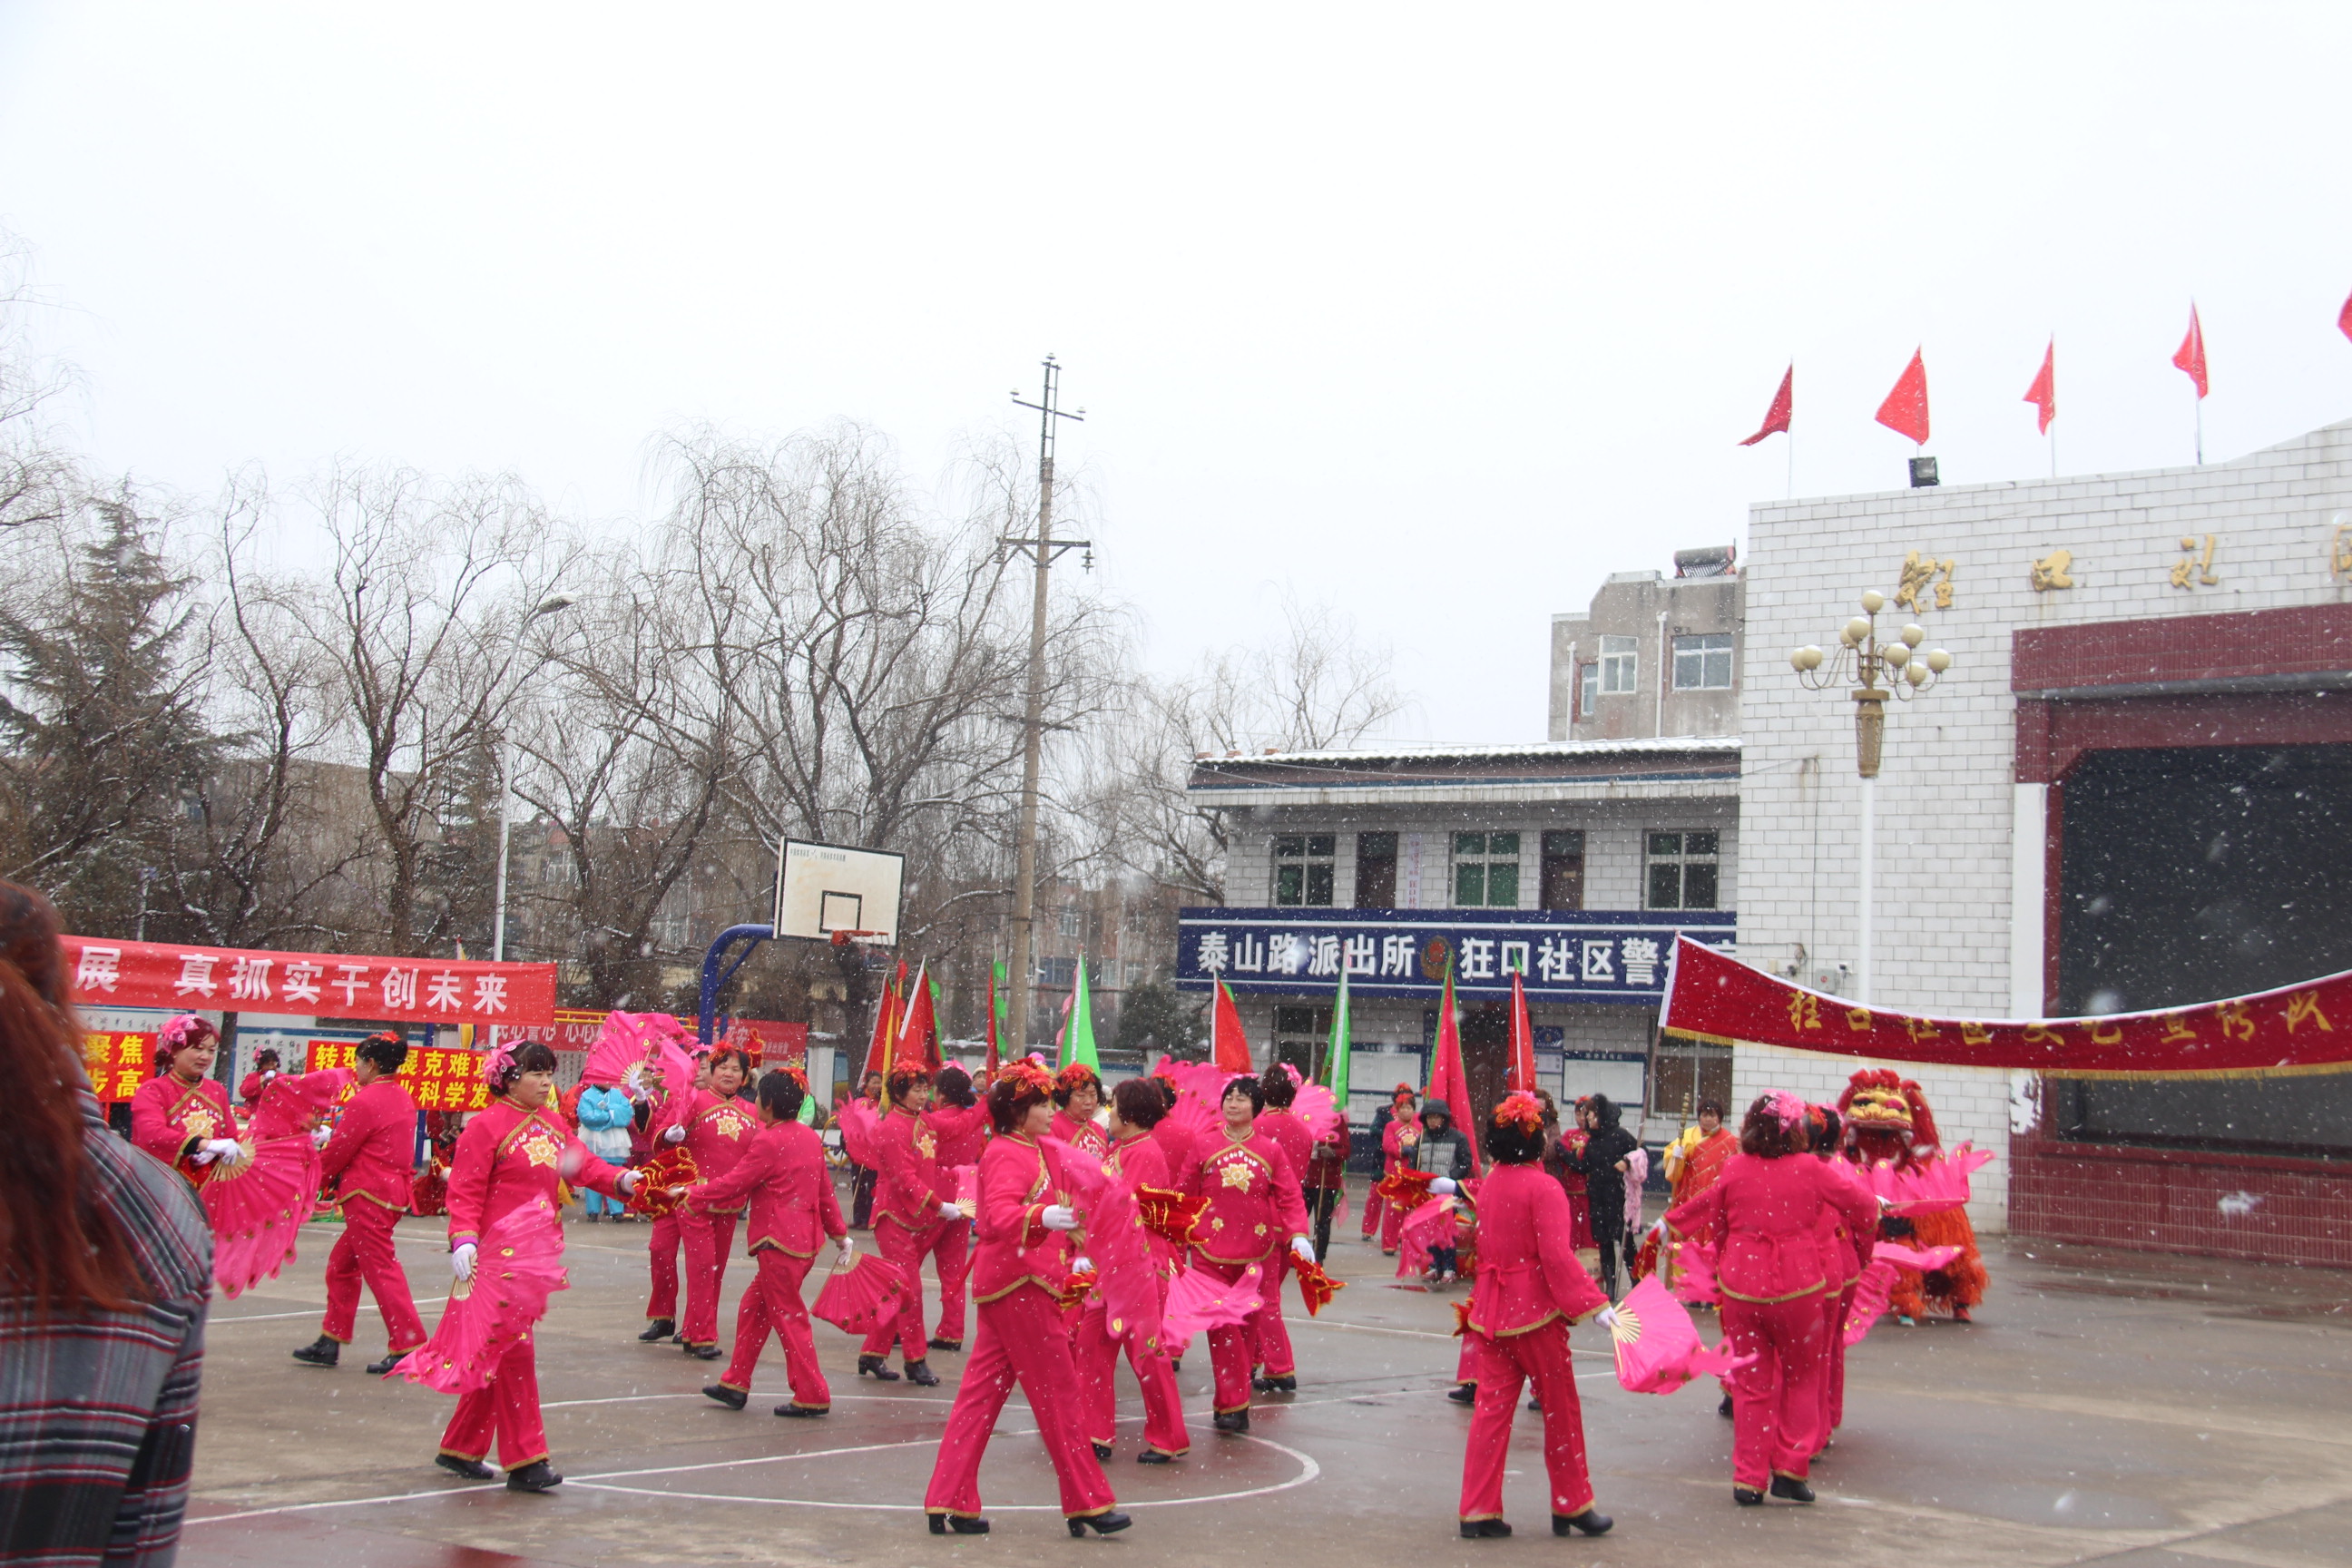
(1376, 861)
(1620, 664)
(1588, 688)
(1062, 971)
(1302, 868)
(1562, 886)
(1301, 1035)
(1684, 871)
(1703, 662)
(1133, 974)
(1485, 870)
(1073, 920)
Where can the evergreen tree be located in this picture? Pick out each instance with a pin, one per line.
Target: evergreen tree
(1155, 1018)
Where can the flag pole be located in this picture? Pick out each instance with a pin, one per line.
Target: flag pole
(2200, 428)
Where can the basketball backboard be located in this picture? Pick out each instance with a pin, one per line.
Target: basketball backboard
(821, 888)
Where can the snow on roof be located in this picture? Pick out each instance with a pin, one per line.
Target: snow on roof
(1464, 752)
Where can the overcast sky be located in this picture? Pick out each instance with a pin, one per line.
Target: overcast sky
(1438, 313)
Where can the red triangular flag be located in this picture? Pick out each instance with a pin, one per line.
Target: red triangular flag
(1523, 1039)
(1776, 418)
(2043, 393)
(1904, 412)
(885, 1029)
(1447, 1081)
(918, 1035)
(2344, 318)
(1228, 1048)
(2190, 357)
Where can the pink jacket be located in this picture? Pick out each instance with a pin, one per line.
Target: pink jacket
(169, 1118)
(1011, 1245)
(506, 1156)
(1290, 1135)
(717, 1132)
(783, 1177)
(1255, 1203)
(1845, 1258)
(375, 1146)
(1771, 1242)
(962, 1131)
(911, 1188)
(1527, 1271)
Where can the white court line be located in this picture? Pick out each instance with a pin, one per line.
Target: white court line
(312, 1311)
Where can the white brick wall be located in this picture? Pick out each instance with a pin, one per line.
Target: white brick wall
(1945, 794)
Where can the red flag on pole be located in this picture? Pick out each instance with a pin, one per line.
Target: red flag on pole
(2190, 357)
(2043, 393)
(885, 1029)
(1904, 412)
(1447, 1081)
(2344, 318)
(918, 1039)
(1228, 1046)
(1523, 1038)
(1776, 418)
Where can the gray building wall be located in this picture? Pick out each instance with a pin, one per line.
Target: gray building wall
(1651, 609)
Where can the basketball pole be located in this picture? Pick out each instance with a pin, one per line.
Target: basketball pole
(1044, 549)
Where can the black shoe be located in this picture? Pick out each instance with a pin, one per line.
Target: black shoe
(920, 1374)
(878, 1369)
(1108, 1522)
(733, 1398)
(472, 1470)
(1176, 1363)
(1790, 1488)
(1483, 1529)
(704, 1352)
(962, 1524)
(1155, 1456)
(946, 1344)
(658, 1330)
(539, 1476)
(387, 1366)
(1536, 1404)
(320, 1351)
(1748, 1497)
(1724, 1409)
(1230, 1420)
(1102, 1451)
(1464, 1393)
(809, 1411)
(1285, 1385)
(1592, 1522)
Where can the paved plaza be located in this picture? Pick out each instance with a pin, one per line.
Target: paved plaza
(2113, 1407)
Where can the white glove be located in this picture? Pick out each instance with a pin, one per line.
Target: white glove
(461, 1261)
(843, 1247)
(1606, 1317)
(319, 1136)
(950, 1211)
(1302, 1248)
(627, 1181)
(675, 1136)
(1059, 1216)
(1445, 1186)
(217, 1149)
(1082, 1265)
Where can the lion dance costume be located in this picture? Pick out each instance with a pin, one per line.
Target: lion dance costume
(1887, 1118)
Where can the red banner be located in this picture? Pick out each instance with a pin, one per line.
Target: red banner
(436, 1078)
(118, 1064)
(764, 1040)
(1710, 996)
(311, 984)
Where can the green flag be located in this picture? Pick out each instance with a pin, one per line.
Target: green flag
(1335, 1065)
(1078, 1034)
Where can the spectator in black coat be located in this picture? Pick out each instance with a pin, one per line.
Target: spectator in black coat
(1601, 1163)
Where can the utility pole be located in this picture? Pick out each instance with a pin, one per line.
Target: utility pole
(1044, 551)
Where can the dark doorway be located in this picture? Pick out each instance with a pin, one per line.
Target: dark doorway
(1376, 858)
(1486, 1053)
(1563, 869)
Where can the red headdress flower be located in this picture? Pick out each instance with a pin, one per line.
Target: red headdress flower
(1522, 1110)
(1026, 1077)
(1786, 1108)
(178, 1034)
(1077, 1075)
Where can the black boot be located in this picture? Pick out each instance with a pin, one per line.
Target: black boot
(704, 1352)
(1748, 1497)
(920, 1374)
(1155, 1456)
(798, 1410)
(1483, 1529)
(1110, 1521)
(388, 1365)
(1285, 1384)
(1790, 1488)
(539, 1476)
(1464, 1393)
(878, 1369)
(1102, 1451)
(962, 1524)
(658, 1330)
(940, 1344)
(733, 1398)
(472, 1470)
(1592, 1522)
(320, 1351)
(1230, 1420)
(1724, 1409)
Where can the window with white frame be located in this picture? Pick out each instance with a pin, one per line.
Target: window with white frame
(1485, 870)
(1684, 870)
(1073, 920)
(1703, 662)
(1621, 665)
(1303, 869)
(1588, 688)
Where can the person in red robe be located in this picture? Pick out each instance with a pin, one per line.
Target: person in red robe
(372, 1155)
(913, 1210)
(1399, 1141)
(716, 1127)
(1695, 1162)
(182, 1115)
(513, 1151)
(1277, 1369)
(784, 1178)
(1020, 1263)
(1254, 1211)
(959, 1125)
(1823, 1131)
(265, 1067)
(1772, 1263)
(1137, 1108)
(663, 1240)
(1529, 1288)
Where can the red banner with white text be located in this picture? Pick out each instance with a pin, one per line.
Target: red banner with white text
(313, 984)
(2305, 1028)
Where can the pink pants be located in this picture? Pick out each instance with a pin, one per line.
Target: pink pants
(952, 1258)
(1776, 1400)
(1833, 1379)
(908, 1248)
(1375, 1205)
(1392, 1227)
(1021, 1340)
(1096, 1354)
(708, 1238)
(508, 1405)
(364, 1253)
(1269, 1335)
(1232, 1346)
(661, 1253)
(772, 1301)
(1538, 1356)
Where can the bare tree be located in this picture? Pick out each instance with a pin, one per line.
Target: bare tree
(39, 479)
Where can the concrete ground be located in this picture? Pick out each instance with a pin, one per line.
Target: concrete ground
(2114, 1407)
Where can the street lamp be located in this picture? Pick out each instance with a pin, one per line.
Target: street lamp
(1858, 663)
(561, 602)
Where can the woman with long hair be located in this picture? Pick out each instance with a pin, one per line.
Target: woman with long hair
(514, 1150)
(716, 1127)
(182, 1115)
(105, 1271)
(1020, 1262)
(1768, 1214)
